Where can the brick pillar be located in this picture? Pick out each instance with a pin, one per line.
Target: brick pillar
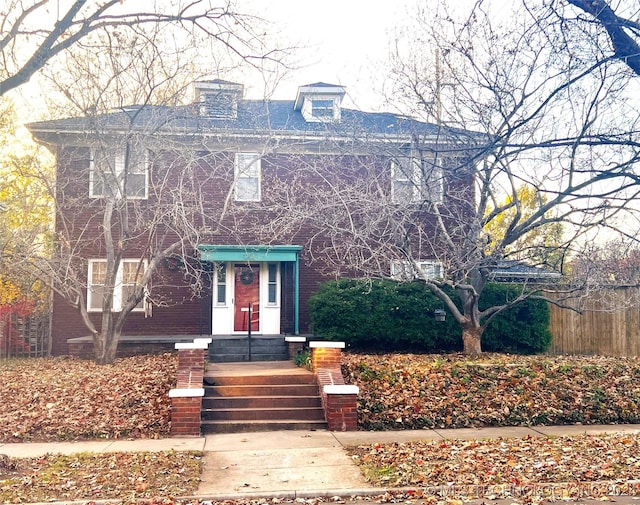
(339, 400)
(186, 405)
(186, 398)
(295, 345)
(325, 355)
(341, 407)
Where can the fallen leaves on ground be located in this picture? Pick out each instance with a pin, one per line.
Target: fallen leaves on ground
(412, 391)
(129, 476)
(51, 399)
(530, 467)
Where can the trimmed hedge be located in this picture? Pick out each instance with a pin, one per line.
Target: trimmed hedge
(394, 316)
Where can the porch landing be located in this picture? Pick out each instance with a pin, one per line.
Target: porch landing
(226, 348)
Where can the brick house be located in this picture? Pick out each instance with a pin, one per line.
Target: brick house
(225, 156)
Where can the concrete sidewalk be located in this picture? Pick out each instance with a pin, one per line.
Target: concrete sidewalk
(290, 463)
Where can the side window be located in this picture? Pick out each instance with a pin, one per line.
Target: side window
(221, 284)
(415, 180)
(405, 271)
(403, 183)
(131, 272)
(248, 174)
(432, 179)
(136, 181)
(272, 298)
(104, 169)
(115, 173)
(128, 277)
(95, 291)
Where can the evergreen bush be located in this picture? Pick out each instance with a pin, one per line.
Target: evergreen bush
(395, 316)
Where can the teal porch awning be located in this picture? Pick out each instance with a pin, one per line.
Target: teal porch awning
(248, 253)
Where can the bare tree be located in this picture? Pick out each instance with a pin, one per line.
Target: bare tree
(34, 32)
(521, 100)
(622, 30)
(147, 202)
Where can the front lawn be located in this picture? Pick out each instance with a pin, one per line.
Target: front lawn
(50, 399)
(413, 391)
(125, 477)
(502, 465)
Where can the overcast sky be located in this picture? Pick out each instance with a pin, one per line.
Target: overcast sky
(344, 42)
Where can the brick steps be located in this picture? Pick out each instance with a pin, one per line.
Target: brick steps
(260, 402)
(262, 390)
(264, 425)
(264, 414)
(246, 399)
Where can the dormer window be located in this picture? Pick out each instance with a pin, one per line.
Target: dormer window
(218, 105)
(323, 109)
(320, 102)
(218, 99)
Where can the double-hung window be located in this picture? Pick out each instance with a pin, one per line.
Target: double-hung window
(119, 173)
(248, 175)
(128, 278)
(417, 179)
(426, 269)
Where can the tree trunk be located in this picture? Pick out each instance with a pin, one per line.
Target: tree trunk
(471, 340)
(105, 345)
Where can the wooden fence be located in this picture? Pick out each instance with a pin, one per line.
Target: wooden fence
(608, 325)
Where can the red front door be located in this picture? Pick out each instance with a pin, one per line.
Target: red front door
(247, 298)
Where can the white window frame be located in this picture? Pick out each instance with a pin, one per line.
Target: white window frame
(118, 291)
(273, 284)
(424, 179)
(405, 270)
(116, 165)
(220, 279)
(248, 167)
(321, 109)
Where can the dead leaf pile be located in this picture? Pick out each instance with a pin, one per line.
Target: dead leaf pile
(101, 476)
(49, 399)
(408, 391)
(529, 461)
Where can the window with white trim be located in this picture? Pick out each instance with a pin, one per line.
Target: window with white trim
(118, 174)
(272, 284)
(128, 278)
(415, 180)
(220, 282)
(406, 271)
(323, 109)
(248, 175)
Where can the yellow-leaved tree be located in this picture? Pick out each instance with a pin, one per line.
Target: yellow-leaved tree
(26, 210)
(542, 245)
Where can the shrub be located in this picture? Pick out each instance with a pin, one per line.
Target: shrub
(521, 329)
(393, 316)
